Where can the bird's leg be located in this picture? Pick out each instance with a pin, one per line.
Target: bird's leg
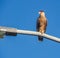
(41, 31)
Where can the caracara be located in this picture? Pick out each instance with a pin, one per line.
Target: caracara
(41, 24)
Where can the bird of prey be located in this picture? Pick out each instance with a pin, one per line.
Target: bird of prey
(41, 24)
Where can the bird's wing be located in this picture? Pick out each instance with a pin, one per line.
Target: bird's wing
(46, 22)
(37, 25)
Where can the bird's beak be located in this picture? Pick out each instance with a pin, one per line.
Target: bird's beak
(38, 12)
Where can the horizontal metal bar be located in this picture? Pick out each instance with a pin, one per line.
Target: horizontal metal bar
(13, 30)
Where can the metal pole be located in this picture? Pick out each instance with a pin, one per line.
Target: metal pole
(34, 33)
(38, 34)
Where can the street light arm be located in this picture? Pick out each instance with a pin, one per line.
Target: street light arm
(38, 34)
(13, 31)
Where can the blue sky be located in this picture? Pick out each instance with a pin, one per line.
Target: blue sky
(22, 14)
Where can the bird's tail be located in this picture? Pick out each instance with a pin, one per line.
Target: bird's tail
(40, 38)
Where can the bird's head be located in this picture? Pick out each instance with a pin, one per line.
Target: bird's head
(41, 12)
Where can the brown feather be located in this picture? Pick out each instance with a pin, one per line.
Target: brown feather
(41, 25)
